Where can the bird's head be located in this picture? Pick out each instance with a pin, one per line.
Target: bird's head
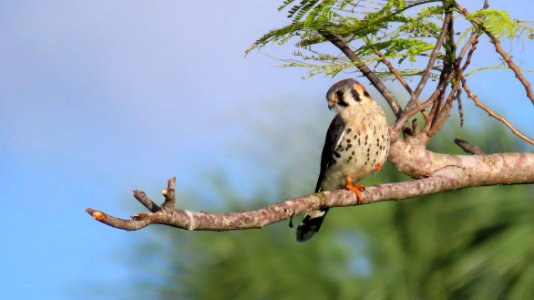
(347, 93)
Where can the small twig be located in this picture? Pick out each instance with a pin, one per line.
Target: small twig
(415, 128)
(500, 50)
(508, 59)
(143, 199)
(469, 45)
(444, 115)
(392, 69)
(407, 115)
(170, 195)
(431, 61)
(377, 83)
(437, 113)
(444, 79)
(460, 107)
(467, 147)
(438, 95)
(493, 114)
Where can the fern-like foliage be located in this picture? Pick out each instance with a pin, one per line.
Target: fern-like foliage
(496, 21)
(402, 31)
(383, 24)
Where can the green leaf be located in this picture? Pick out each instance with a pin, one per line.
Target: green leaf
(496, 21)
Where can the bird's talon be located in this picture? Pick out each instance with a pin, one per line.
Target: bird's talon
(356, 189)
(377, 167)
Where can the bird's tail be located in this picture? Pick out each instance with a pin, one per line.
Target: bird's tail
(310, 224)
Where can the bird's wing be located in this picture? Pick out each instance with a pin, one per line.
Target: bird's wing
(334, 135)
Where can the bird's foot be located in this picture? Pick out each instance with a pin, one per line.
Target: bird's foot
(377, 167)
(355, 188)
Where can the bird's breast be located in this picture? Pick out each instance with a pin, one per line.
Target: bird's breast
(363, 145)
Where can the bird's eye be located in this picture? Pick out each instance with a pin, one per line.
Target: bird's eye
(339, 94)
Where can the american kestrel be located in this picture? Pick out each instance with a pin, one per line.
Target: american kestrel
(356, 145)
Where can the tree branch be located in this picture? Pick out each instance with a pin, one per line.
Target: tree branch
(377, 83)
(508, 59)
(143, 199)
(456, 172)
(467, 147)
(500, 50)
(493, 114)
(391, 68)
(431, 61)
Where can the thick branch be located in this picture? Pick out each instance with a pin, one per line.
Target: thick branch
(203, 221)
(490, 169)
(457, 172)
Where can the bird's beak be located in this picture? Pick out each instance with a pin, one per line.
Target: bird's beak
(331, 103)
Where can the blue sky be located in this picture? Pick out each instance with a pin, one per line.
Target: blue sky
(98, 98)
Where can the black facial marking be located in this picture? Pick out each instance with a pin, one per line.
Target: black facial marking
(365, 93)
(355, 95)
(342, 103)
(340, 99)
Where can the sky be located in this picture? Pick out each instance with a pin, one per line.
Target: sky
(98, 98)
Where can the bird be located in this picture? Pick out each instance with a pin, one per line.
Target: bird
(356, 145)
